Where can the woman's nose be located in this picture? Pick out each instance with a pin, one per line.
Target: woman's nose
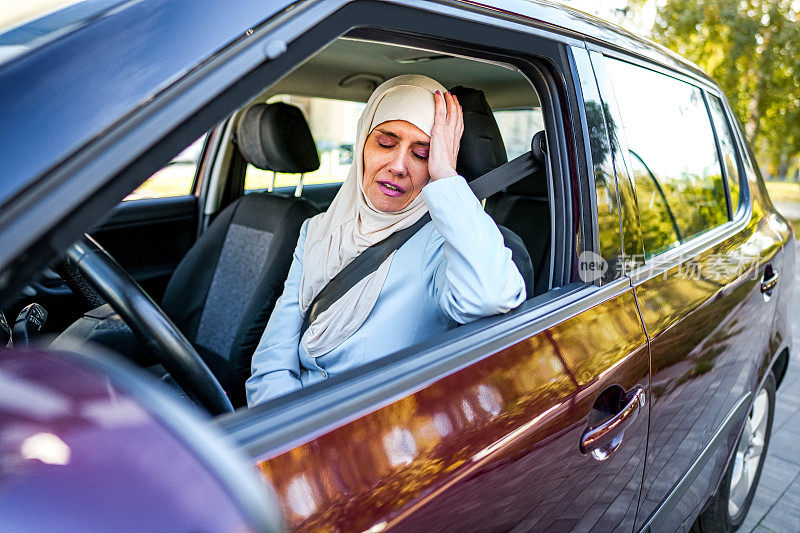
(397, 164)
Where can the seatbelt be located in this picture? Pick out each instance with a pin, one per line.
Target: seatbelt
(370, 259)
(359, 268)
(498, 179)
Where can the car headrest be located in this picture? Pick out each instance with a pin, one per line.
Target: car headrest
(482, 147)
(276, 137)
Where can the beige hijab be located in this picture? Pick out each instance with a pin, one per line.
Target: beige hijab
(352, 224)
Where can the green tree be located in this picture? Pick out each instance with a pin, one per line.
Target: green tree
(752, 49)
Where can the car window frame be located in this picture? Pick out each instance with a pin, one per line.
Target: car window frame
(588, 89)
(720, 155)
(192, 105)
(278, 424)
(661, 262)
(744, 190)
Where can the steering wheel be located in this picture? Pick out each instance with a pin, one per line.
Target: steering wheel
(150, 324)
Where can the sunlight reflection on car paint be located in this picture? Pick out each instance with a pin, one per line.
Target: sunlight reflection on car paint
(47, 448)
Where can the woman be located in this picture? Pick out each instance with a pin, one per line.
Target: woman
(455, 269)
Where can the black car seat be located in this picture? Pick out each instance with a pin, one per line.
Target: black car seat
(224, 289)
(481, 150)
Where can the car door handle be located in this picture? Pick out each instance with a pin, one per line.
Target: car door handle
(769, 281)
(603, 440)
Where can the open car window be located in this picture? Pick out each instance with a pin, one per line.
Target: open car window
(331, 97)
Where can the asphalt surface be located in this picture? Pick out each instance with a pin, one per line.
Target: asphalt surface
(776, 506)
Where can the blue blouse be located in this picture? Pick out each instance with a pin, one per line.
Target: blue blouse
(454, 270)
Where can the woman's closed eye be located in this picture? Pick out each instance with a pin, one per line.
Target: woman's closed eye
(420, 152)
(385, 141)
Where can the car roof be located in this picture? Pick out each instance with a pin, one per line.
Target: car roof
(65, 93)
(61, 95)
(570, 21)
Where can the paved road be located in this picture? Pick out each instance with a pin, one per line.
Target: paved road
(776, 507)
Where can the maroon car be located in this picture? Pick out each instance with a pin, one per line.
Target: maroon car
(633, 390)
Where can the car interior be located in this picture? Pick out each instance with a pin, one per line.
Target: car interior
(215, 257)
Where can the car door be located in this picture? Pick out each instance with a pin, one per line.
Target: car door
(532, 420)
(706, 249)
(491, 446)
(154, 226)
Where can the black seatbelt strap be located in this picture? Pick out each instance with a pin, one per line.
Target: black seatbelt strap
(498, 179)
(370, 259)
(359, 268)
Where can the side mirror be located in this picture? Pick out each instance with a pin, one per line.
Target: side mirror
(90, 427)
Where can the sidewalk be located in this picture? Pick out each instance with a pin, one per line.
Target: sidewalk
(776, 507)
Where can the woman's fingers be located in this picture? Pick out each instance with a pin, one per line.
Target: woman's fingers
(440, 113)
(452, 108)
(448, 99)
(446, 114)
(459, 126)
(440, 109)
(444, 143)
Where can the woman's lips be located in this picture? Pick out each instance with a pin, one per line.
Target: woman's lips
(391, 189)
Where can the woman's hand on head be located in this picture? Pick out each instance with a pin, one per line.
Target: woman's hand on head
(448, 125)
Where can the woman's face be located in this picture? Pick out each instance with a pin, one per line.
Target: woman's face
(395, 164)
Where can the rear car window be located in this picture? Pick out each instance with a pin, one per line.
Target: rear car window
(676, 170)
(176, 178)
(726, 146)
(517, 127)
(333, 124)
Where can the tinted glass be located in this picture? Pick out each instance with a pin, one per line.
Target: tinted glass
(726, 145)
(676, 170)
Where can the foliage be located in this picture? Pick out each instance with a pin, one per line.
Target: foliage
(752, 49)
